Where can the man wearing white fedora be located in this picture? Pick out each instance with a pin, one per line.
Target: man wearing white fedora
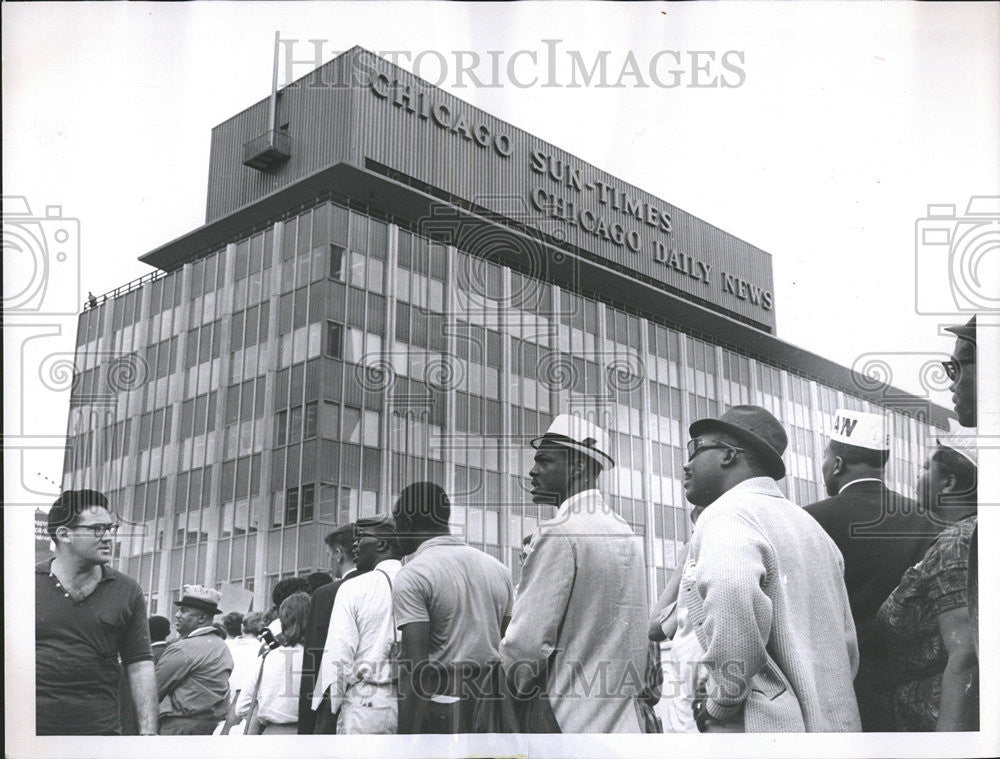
(577, 632)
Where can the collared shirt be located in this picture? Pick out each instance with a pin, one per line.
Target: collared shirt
(192, 676)
(360, 637)
(77, 646)
(463, 593)
(566, 506)
(860, 479)
(280, 680)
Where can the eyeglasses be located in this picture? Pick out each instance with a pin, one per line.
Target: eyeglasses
(694, 447)
(953, 368)
(99, 530)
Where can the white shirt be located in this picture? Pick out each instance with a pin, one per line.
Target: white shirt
(565, 506)
(860, 479)
(360, 636)
(244, 651)
(280, 681)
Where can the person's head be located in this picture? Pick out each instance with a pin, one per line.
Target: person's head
(253, 623)
(318, 580)
(284, 588)
(294, 613)
(858, 446)
(568, 460)
(948, 482)
(745, 442)
(374, 541)
(159, 628)
(233, 622)
(843, 463)
(82, 526)
(961, 371)
(196, 608)
(421, 512)
(340, 546)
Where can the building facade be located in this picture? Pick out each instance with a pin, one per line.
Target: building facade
(392, 285)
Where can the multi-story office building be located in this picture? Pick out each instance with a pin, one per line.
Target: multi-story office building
(393, 285)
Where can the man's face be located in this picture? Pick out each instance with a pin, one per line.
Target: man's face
(827, 467)
(188, 619)
(90, 538)
(550, 475)
(963, 387)
(366, 550)
(703, 472)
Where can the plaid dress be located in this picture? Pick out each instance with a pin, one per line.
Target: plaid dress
(908, 620)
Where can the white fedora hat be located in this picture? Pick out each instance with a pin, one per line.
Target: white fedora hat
(579, 435)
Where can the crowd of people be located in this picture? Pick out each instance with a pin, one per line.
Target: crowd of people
(858, 612)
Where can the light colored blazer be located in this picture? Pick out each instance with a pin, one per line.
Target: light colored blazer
(582, 596)
(764, 587)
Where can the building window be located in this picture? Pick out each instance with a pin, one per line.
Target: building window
(280, 428)
(337, 262)
(308, 501)
(334, 339)
(292, 506)
(309, 422)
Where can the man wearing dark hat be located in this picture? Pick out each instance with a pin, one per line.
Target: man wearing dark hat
(87, 615)
(578, 629)
(764, 588)
(192, 675)
(880, 534)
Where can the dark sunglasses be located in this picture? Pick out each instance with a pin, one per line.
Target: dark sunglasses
(696, 446)
(953, 368)
(99, 530)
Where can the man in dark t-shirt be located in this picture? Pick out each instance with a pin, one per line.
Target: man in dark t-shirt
(87, 615)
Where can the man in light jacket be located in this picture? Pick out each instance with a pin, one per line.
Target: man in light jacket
(578, 629)
(764, 588)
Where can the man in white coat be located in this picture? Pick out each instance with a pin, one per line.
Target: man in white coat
(577, 632)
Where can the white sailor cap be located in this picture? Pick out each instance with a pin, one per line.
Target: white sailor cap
(962, 440)
(860, 429)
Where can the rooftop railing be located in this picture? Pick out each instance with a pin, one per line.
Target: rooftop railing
(95, 300)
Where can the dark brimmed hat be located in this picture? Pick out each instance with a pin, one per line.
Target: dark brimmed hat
(754, 426)
(200, 597)
(378, 525)
(965, 331)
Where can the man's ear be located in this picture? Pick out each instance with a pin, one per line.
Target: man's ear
(838, 465)
(950, 484)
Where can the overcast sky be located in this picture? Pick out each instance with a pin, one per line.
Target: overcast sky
(828, 131)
